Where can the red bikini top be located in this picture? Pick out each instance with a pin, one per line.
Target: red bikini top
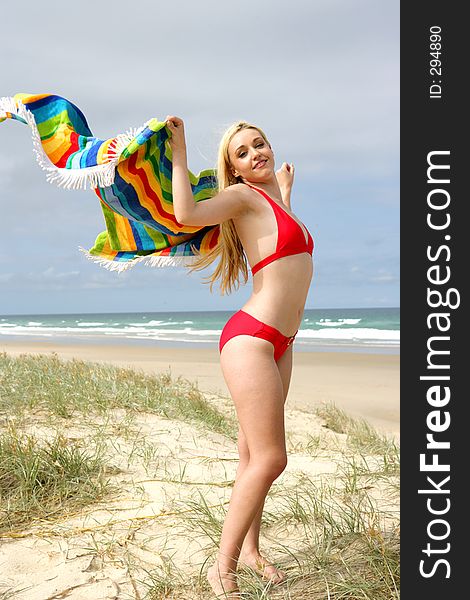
(290, 235)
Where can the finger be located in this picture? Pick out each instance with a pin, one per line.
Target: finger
(172, 120)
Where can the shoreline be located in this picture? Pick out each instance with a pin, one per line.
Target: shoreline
(357, 330)
(106, 340)
(364, 385)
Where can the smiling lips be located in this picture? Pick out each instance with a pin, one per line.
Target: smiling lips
(260, 164)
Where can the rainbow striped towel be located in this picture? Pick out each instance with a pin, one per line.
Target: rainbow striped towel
(131, 175)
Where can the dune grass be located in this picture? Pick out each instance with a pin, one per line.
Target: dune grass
(43, 479)
(63, 388)
(360, 434)
(332, 542)
(336, 534)
(347, 523)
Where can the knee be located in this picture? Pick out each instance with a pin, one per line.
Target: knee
(273, 465)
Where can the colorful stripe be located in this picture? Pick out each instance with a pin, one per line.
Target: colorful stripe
(131, 175)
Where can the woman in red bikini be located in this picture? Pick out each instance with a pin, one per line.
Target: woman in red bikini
(257, 225)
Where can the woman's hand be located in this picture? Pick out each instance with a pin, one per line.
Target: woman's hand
(285, 179)
(285, 176)
(177, 140)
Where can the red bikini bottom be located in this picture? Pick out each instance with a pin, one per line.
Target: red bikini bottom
(241, 323)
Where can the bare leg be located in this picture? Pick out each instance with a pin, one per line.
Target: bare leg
(250, 553)
(257, 390)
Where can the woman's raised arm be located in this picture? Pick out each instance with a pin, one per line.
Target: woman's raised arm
(227, 204)
(285, 179)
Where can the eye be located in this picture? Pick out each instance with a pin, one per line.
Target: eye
(241, 154)
(259, 144)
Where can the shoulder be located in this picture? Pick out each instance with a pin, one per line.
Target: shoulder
(250, 199)
(241, 193)
(238, 189)
(236, 198)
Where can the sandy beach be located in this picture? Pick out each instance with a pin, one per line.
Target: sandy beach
(172, 482)
(363, 385)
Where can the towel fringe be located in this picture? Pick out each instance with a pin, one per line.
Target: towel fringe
(96, 176)
(8, 105)
(150, 261)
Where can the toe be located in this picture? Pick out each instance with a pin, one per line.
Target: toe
(273, 574)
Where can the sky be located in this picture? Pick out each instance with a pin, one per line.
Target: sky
(320, 77)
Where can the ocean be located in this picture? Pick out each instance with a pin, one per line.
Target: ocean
(343, 329)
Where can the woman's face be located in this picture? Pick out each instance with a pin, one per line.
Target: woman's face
(251, 157)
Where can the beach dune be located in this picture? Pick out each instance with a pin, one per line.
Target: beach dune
(363, 385)
(171, 480)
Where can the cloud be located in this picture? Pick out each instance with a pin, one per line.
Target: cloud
(322, 78)
(50, 274)
(53, 280)
(327, 71)
(383, 277)
(340, 271)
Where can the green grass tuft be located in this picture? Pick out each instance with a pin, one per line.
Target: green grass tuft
(361, 435)
(47, 383)
(39, 480)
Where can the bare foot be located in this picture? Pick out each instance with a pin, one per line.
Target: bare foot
(263, 567)
(224, 585)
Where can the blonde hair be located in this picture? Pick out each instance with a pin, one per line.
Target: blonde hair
(229, 249)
